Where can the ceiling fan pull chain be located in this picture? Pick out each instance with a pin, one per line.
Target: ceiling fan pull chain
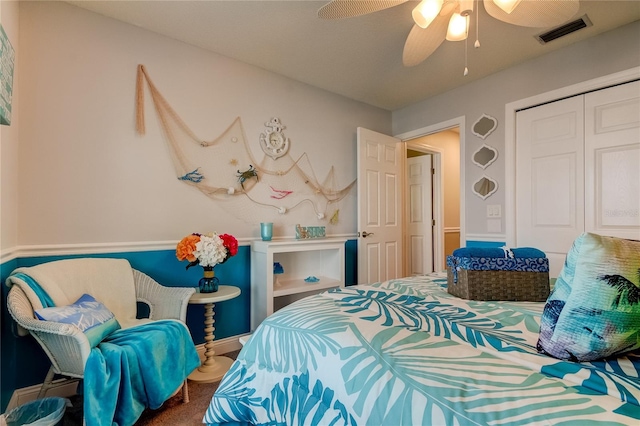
(477, 43)
(466, 43)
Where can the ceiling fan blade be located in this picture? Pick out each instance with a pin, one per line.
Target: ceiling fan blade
(537, 14)
(421, 43)
(337, 9)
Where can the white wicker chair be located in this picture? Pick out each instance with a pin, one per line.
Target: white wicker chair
(67, 346)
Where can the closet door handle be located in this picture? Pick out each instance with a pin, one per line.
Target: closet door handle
(365, 234)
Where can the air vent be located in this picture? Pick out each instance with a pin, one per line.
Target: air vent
(563, 30)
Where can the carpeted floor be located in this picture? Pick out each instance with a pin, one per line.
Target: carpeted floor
(172, 413)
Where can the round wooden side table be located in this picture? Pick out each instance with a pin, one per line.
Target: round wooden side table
(213, 367)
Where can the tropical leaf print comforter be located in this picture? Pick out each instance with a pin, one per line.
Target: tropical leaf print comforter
(405, 352)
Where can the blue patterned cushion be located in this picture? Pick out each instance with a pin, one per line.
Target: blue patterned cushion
(594, 309)
(92, 317)
(540, 264)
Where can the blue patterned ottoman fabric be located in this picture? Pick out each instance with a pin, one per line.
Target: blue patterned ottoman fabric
(490, 260)
(496, 264)
(406, 352)
(594, 310)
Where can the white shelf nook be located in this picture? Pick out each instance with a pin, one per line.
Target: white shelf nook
(322, 259)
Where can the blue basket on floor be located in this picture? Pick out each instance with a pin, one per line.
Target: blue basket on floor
(41, 412)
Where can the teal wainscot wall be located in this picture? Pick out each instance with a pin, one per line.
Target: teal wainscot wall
(23, 362)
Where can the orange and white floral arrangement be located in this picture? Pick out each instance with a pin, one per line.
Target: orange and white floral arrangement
(207, 250)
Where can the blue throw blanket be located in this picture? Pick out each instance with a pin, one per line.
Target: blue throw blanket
(130, 369)
(44, 298)
(136, 368)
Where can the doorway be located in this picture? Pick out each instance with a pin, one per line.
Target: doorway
(382, 188)
(443, 147)
(419, 223)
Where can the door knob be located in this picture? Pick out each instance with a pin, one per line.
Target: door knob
(365, 234)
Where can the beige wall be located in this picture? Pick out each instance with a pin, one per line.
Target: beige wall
(449, 142)
(9, 17)
(87, 177)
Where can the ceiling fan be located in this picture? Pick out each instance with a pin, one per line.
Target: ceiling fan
(437, 20)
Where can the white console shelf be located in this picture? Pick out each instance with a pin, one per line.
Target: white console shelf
(322, 258)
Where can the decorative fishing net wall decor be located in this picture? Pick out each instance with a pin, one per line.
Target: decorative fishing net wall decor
(224, 168)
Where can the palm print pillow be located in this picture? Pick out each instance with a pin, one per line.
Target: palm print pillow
(594, 310)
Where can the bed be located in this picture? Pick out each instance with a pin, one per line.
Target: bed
(406, 352)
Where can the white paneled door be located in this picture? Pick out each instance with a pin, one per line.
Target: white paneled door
(578, 169)
(379, 208)
(612, 161)
(550, 178)
(420, 215)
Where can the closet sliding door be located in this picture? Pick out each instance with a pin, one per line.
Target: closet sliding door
(612, 161)
(550, 177)
(578, 169)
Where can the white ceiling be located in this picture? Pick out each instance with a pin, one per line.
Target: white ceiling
(360, 58)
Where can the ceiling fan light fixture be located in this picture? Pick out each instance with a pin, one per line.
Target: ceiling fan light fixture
(507, 5)
(466, 7)
(425, 12)
(458, 28)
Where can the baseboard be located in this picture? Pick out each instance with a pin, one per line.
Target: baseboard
(223, 346)
(65, 388)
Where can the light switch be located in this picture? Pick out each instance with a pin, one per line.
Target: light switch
(494, 210)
